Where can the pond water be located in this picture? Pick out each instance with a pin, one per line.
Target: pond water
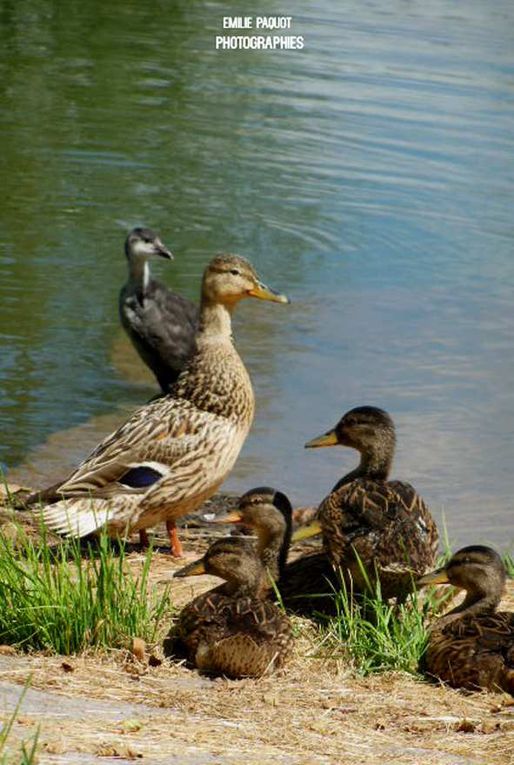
(370, 176)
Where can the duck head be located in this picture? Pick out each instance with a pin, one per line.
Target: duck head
(230, 278)
(143, 243)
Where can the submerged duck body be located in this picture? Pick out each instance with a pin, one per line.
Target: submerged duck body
(175, 452)
(473, 645)
(233, 630)
(161, 324)
(369, 522)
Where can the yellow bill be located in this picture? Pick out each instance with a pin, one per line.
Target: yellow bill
(192, 569)
(263, 292)
(435, 577)
(234, 516)
(305, 532)
(327, 439)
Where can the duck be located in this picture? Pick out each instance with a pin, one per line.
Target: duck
(173, 453)
(233, 631)
(161, 324)
(472, 646)
(376, 532)
(305, 585)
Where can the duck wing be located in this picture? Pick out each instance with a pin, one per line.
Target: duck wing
(154, 438)
(474, 652)
(384, 524)
(162, 325)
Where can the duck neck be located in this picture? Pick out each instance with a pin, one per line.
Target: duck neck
(272, 549)
(374, 465)
(477, 601)
(254, 585)
(139, 274)
(215, 321)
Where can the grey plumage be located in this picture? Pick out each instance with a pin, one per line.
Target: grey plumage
(161, 324)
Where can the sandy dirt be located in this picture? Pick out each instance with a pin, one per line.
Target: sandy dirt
(114, 707)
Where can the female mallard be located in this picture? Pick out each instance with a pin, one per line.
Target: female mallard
(473, 645)
(306, 584)
(173, 453)
(232, 631)
(161, 324)
(373, 528)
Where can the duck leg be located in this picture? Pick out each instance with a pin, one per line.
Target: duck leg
(175, 543)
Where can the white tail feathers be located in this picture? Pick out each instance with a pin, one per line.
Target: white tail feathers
(75, 519)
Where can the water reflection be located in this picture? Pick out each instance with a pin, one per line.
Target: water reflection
(370, 175)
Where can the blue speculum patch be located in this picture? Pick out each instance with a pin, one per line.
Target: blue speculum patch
(139, 477)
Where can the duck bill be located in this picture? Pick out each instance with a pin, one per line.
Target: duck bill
(232, 517)
(435, 577)
(327, 439)
(263, 292)
(305, 532)
(162, 251)
(197, 568)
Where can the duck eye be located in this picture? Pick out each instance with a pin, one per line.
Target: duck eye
(235, 272)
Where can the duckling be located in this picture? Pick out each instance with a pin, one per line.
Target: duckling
(232, 631)
(369, 522)
(307, 584)
(161, 324)
(269, 513)
(473, 645)
(172, 454)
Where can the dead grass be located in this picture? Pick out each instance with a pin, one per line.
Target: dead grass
(316, 711)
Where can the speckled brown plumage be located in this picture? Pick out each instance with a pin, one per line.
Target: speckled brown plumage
(232, 630)
(473, 646)
(383, 524)
(175, 452)
(370, 522)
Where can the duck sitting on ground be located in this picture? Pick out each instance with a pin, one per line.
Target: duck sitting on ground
(234, 630)
(307, 584)
(473, 645)
(161, 324)
(172, 454)
(373, 528)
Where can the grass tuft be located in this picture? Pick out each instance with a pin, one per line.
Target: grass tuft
(377, 635)
(68, 599)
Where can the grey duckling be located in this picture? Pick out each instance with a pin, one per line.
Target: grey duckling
(161, 324)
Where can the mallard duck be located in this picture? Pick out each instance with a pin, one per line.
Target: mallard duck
(473, 645)
(233, 631)
(161, 324)
(369, 522)
(172, 454)
(307, 584)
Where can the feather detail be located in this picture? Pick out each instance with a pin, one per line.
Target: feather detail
(62, 518)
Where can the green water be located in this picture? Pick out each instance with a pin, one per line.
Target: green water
(370, 176)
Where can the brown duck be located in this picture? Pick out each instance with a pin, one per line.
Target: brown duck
(307, 584)
(233, 630)
(172, 454)
(473, 645)
(373, 528)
